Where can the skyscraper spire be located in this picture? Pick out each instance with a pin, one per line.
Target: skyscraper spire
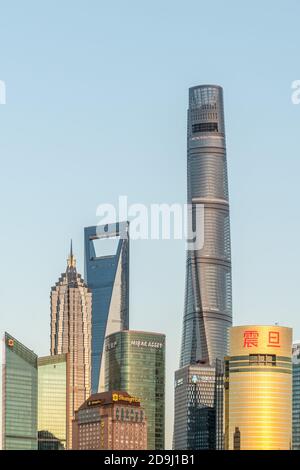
(71, 258)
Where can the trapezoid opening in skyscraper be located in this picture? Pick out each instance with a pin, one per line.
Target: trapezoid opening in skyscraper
(108, 278)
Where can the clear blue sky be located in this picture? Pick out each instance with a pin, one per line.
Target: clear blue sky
(96, 108)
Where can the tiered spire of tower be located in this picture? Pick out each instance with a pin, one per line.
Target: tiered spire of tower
(71, 258)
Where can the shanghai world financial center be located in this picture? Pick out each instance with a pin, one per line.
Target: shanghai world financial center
(108, 279)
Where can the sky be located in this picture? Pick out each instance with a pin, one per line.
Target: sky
(96, 100)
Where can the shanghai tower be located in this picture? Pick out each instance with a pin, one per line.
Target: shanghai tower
(208, 304)
(207, 309)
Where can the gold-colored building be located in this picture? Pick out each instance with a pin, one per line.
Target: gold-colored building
(258, 388)
(53, 402)
(71, 333)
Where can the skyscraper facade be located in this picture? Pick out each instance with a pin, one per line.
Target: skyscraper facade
(198, 408)
(259, 388)
(208, 305)
(108, 278)
(53, 397)
(110, 421)
(296, 396)
(19, 396)
(194, 408)
(135, 363)
(71, 310)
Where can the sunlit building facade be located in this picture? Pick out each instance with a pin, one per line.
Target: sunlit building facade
(199, 408)
(108, 278)
(258, 388)
(296, 396)
(53, 397)
(110, 421)
(135, 362)
(71, 310)
(19, 396)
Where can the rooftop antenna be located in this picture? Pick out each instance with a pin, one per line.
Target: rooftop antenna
(71, 259)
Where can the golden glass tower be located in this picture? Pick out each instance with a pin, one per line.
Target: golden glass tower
(258, 388)
(53, 402)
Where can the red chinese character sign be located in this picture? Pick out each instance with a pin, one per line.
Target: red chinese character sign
(251, 338)
(274, 339)
(260, 339)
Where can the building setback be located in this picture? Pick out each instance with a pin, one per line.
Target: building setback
(108, 278)
(19, 396)
(71, 310)
(53, 396)
(258, 389)
(110, 421)
(135, 362)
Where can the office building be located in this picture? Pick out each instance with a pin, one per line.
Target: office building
(208, 304)
(296, 396)
(198, 408)
(110, 421)
(19, 396)
(71, 310)
(208, 309)
(135, 362)
(108, 278)
(259, 388)
(53, 396)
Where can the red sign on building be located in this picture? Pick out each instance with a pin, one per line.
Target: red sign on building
(274, 339)
(251, 338)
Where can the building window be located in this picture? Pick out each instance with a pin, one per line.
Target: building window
(262, 359)
(205, 127)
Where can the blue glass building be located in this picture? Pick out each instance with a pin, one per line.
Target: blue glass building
(108, 278)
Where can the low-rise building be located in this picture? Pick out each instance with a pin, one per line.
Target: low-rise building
(110, 421)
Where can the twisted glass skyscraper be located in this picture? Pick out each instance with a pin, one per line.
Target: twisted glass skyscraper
(207, 310)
